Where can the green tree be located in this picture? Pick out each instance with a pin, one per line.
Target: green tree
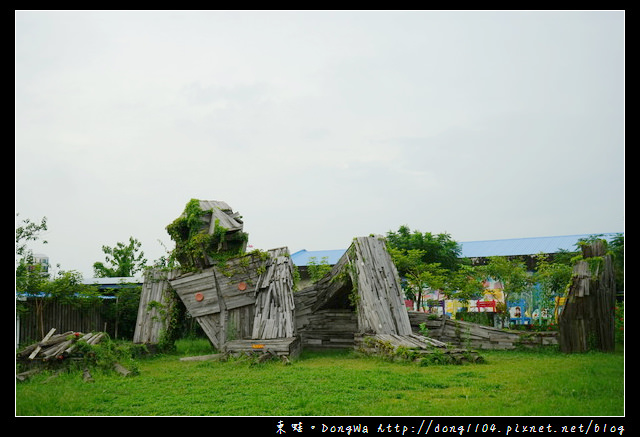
(436, 248)
(317, 270)
(552, 277)
(31, 277)
(29, 231)
(431, 261)
(513, 275)
(616, 246)
(123, 260)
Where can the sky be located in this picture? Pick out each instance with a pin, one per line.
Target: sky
(317, 126)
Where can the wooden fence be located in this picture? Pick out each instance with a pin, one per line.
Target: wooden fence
(62, 316)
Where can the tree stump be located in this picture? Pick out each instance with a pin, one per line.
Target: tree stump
(587, 321)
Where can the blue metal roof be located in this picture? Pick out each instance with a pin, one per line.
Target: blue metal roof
(477, 249)
(301, 257)
(524, 246)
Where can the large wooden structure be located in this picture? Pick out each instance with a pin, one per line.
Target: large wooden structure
(246, 298)
(362, 294)
(246, 303)
(587, 320)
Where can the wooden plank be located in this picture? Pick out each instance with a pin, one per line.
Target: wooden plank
(150, 322)
(209, 357)
(39, 347)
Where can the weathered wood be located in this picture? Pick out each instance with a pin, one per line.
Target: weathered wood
(24, 375)
(274, 305)
(210, 324)
(60, 346)
(210, 357)
(380, 307)
(412, 347)
(460, 333)
(86, 375)
(587, 320)
(154, 302)
(328, 329)
(279, 346)
(122, 370)
(38, 348)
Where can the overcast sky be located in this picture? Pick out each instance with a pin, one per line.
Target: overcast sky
(317, 126)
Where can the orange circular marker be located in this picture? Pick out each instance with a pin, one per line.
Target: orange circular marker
(242, 286)
(199, 297)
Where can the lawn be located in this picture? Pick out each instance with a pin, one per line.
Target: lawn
(338, 383)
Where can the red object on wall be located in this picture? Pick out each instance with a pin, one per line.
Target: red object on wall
(199, 297)
(486, 304)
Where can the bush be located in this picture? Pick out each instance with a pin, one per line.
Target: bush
(485, 319)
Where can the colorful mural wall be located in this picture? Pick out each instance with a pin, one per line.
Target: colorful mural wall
(521, 311)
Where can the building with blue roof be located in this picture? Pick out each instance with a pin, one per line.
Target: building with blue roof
(476, 250)
(301, 258)
(525, 246)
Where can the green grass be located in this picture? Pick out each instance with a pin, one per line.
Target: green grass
(338, 383)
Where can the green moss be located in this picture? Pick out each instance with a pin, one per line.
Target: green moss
(195, 246)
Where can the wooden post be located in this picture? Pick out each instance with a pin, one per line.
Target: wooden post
(587, 320)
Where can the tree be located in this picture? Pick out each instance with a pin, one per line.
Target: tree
(29, 231)
(30, 276)
(513, 275)
(418, 274)
(439, 248)
(431, 261)
(33, 279)
(552, 277)
(317, 270)
(123, 260)
(616, 247)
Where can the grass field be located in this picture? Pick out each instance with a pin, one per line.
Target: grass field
(338, 383)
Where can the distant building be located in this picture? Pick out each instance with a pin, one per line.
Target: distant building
(42, 260)
(478, 252)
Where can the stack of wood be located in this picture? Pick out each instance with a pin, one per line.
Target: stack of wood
(58, 346)
(460, 333)
(329, 329)
(587, 320)
(414, 347)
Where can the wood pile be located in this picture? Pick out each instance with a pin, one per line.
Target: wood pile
(587, 320)
(331, 328)
(414, 347)
(56, 349)
(58, 346)
(460, 333)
